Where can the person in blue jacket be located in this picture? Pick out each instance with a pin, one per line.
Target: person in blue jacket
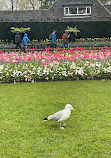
(53, 40)
(25, 39)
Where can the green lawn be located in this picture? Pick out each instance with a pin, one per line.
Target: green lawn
(24, 134)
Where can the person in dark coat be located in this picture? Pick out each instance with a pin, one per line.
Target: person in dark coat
(17, 41)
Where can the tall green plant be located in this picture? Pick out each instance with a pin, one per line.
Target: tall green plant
(20, 30)
(72, 31)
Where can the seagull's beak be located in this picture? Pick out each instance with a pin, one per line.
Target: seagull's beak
(72, 110)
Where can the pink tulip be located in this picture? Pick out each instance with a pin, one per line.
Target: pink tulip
(44, 63)
(89, 63)
(21, 57)
(32, 81)
(73, 71)
(105, 55)
(102, 59)
(29, 58)
(15, 61)
(20, 62)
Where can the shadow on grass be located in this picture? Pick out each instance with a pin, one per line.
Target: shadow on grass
(56, 126)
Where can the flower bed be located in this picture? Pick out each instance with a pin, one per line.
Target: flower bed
(59, 64)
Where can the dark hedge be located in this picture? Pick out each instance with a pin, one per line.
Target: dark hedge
(42, 30)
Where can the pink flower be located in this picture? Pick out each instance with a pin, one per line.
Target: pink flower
(21, 57)
(72, 59)
(1, 52)
(15, 61)
(20, 62)
(32, 81)
(77, 48)
(29, 58)
(45, 63)
(105, 55)
(28, 49)
(73, 71)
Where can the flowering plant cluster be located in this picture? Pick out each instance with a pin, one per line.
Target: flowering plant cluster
(59, 64)
(77, 40)
(94, 40)
(80, 40)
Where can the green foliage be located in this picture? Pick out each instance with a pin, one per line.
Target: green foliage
(71, 29)
(24, 134)
(20, 30)
(45, 4)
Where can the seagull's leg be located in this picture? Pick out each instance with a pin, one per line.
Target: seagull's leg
(61, 126)
(64, 124)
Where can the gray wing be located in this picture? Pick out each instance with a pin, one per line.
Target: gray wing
(57, 116)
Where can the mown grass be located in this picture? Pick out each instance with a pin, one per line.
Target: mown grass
(24, 134)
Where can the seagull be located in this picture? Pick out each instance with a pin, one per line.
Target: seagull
(61, 116)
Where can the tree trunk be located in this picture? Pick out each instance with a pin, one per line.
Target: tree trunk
(12, 4)
(72, 37)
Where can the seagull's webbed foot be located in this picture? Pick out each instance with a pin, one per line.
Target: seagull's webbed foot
(61, 126)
